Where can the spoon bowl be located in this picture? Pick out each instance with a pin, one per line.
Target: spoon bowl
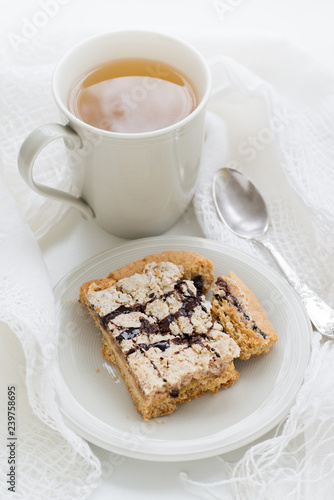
(239, 204)
(242, 208)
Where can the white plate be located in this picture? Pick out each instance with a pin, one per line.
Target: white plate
(96, 404)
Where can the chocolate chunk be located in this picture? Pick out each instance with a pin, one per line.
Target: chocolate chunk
(110, 316)
(198, 282)
(128, 334)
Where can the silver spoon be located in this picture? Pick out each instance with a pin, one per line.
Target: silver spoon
(242, 208)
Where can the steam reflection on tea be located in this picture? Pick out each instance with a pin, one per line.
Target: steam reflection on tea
(132, 95)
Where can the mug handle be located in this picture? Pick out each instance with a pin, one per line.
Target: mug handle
(29, 151)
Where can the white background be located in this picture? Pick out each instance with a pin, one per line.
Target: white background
(308, 23)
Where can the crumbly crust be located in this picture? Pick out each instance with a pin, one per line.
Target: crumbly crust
(158, 330)
(238, 309)
(193, 265)
(163, 404)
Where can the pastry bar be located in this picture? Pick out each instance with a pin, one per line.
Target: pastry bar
(237, 308)
(157, 329)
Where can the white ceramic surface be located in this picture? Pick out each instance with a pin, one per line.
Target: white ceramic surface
(96, 404)
(134, 184)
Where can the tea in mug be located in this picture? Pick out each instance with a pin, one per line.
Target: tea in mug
(132, 95)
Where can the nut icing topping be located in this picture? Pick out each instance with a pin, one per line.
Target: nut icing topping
(163, 326)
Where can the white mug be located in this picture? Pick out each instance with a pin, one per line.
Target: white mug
(133, 184)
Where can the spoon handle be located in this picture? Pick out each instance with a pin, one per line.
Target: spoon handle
(321, 315)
